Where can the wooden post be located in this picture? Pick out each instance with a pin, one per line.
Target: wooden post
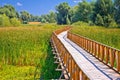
(107, 55)
(77, 73)
(92, 48)
(98, 51)
(118, 61)
(102, 53)
(112, 57)
(84, 76)
(95, 50)
(73, 72)
(71, 68)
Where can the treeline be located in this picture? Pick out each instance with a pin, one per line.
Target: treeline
(97, 12)
(9, 16)
(100, 12)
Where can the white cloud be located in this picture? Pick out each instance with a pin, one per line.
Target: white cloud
(19, 4)
(77, 1)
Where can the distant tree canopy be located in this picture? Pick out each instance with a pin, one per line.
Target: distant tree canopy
(63, 16)
(117, 11)
(83, 12)
(25, 16)
(97, 12)
(49, 18)
(9, 11)
(9, 16)
(104, 12)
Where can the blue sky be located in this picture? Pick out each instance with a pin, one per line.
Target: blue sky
(37, 7)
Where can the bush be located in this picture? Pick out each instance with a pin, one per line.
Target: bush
(15, 22)
(99, 20)
(80, 23)
(4, 21)
(113, 24)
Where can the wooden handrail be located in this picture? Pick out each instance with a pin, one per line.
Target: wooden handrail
(106, 54)
(72, 68)
(61, 30)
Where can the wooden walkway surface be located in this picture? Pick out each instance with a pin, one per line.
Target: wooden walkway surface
(92, 67)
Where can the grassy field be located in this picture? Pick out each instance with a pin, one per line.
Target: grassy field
(108, 36)
(25, 53)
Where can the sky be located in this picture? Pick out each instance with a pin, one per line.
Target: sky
(37, 7)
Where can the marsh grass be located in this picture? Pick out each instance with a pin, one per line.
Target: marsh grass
(24, 52)
(107, 36)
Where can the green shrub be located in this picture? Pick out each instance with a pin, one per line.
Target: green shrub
(15, 22)
(4, 21)
(99, 20)
(80, 23)
(113, 24)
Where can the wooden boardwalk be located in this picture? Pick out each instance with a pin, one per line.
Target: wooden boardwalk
(88, 64)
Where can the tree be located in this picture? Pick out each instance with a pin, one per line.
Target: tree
(9, 11)
(62, 13)
(117, 11)
(15, 22)
(105, 9)
(4, 20)
(44, 18)
(25, 16)
(52, 17)
(73, 15)
(99, 20)
(83, 12)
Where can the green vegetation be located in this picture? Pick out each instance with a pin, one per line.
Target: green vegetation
(97, 12)
(63, 13)
(25, 52)
(108, 36)
(4, 21)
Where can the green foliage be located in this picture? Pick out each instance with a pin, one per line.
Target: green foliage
(50, 18)
(109, 21)
(113, 24)
(25, 16)
(117, 11)
(68, 20)
(99, 20)
(63, 16)
(83, 12)
(103, 12)
(80, 23)
(4, 21)
(104, 7)
(9, 11)
(15, 22)
(34, 18)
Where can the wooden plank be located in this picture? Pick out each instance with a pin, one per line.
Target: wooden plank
(118, 60)
(107, 55)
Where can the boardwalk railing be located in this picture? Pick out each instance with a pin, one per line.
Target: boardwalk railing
(73, 70)
(107, 55)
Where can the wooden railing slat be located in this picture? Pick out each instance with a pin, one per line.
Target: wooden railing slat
(118, 60)
(104, 53)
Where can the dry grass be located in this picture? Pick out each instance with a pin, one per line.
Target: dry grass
(33, 22)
